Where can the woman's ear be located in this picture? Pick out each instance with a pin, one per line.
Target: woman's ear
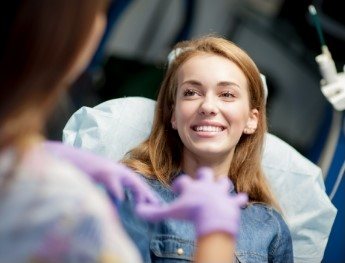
(252, 122)
(173, 120)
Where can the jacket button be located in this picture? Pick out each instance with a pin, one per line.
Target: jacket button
(179, 251)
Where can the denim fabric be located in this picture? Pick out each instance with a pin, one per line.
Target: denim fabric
(263, 236)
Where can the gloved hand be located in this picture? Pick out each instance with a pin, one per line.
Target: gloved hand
(205, 202)
(112, 175)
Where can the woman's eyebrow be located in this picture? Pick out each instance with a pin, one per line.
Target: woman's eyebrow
(220, 84)
(227, 83)
(192, 82)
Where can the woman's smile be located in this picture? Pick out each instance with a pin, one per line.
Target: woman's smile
(208, 129)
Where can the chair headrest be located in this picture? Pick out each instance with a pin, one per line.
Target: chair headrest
(111, 128)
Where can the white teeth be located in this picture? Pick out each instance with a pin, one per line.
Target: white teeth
(208, 129)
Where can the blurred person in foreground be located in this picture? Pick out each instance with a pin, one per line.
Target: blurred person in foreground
(51, 209)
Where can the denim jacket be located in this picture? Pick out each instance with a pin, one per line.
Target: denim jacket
(263, 235)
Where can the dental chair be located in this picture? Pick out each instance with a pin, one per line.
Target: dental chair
(114, 127)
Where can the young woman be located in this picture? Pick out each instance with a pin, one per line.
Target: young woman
(50, 211)
(210, 112)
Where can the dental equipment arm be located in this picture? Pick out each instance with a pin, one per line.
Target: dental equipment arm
(332, 83)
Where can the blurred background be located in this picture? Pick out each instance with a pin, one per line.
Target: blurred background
(278, 34)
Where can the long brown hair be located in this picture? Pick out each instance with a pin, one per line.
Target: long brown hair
(41, 43)
(160, 155)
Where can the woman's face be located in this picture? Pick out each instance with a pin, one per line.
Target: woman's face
(212, 107)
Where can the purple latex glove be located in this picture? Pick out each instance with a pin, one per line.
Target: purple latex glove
(204, 201)
(112, 175)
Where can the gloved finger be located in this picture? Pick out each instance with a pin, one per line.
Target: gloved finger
(115, 187)
(117, 176)
(122, 170)
(225, 184)
(160, 212)
(141, 191)
(144, 194)
(205, 174)
(112, 183)
(241, 199)
(180, 183)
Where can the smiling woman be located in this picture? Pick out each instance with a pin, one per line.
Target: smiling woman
(210, 112)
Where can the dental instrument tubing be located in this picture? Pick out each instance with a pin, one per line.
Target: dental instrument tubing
(326, 63)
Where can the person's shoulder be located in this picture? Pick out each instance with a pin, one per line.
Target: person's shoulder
(51, 180)
(60, 189)
(65, 206)
(267, 217)
(265, 212)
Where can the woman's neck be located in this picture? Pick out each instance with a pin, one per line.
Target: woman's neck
(219, 165)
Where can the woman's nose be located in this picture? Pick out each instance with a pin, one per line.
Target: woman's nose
(208, 106)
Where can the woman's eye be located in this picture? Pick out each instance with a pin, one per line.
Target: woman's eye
(189, 92)
(228, 94)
